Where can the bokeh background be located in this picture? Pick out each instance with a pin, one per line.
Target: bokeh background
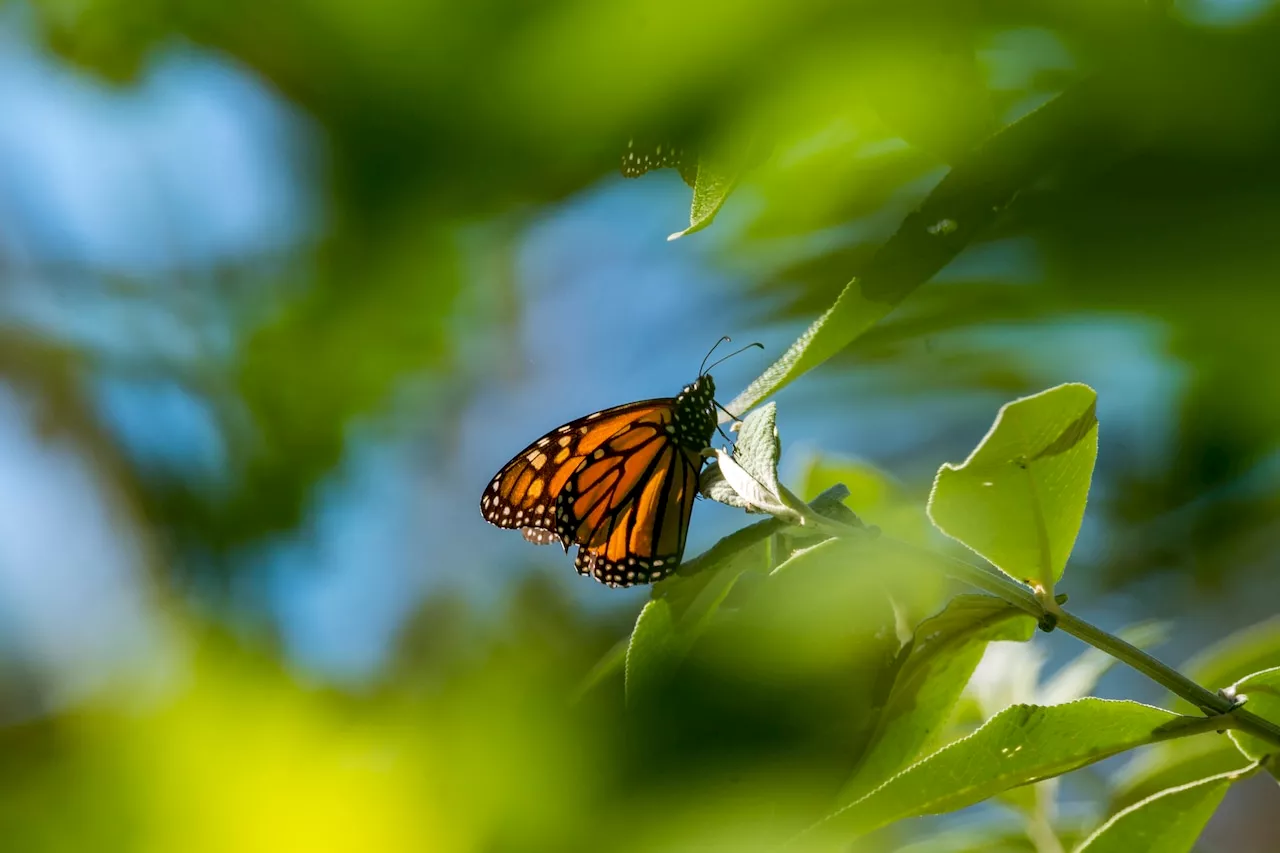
(282, 284)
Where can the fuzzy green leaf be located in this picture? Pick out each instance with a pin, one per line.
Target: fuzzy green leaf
(716, 179)
(758, 447)
(1022, 744)
(1019, 498)
(716, 487)
(652, 649)
(749, 478)
(1168, 822)
(735, 486)
(850, 316)
(719, 172)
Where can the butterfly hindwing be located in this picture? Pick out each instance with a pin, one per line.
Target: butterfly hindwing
(634, 531)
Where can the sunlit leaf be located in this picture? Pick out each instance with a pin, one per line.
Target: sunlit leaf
(716, 179)
(1167, 822)
(733, 485)
(851, 315)
(715, 486)
(748, 478)
(1024, 743)
(941, 658)
(1019, 498)
(719, 171)
(758, 447)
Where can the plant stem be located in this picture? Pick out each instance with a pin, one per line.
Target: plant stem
(1020, 595)
(1162, 674)
(1166, 676)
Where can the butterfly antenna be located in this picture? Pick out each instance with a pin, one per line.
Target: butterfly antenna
(723, 340)
(726, 411)
(727, 357)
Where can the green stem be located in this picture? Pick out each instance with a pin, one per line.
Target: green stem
(1166, 676)
(1020, 595)
(1162, 674)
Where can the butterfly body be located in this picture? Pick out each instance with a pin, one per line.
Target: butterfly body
(619, 484)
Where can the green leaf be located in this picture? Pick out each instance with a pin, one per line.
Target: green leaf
(873, 494)
(850, 316)
(714, 486)
(1263, 692)
(939, 662)
(1019, 498)
(715, 181)
(758, 446)
(651, 653)
(684, 604)
(735, 486)
(1022, 744)
(964, 203)
(1251, 649)
(869, 487)
(719, 173)
(1167, 822)
(1170, 764)
(931, 88)
(801, 557)
(697, 587)
(749, 478)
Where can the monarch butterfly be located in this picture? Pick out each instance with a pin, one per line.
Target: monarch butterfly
(618, 483)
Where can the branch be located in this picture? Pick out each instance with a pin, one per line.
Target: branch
(1020, 595)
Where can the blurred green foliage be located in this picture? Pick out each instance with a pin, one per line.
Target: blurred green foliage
(443, 130)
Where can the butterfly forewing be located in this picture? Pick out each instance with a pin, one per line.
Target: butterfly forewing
(523, 493)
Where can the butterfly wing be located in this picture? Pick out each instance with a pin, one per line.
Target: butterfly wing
(522, 495)
(628, 506)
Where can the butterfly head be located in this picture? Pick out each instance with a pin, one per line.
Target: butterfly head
(695, 412)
